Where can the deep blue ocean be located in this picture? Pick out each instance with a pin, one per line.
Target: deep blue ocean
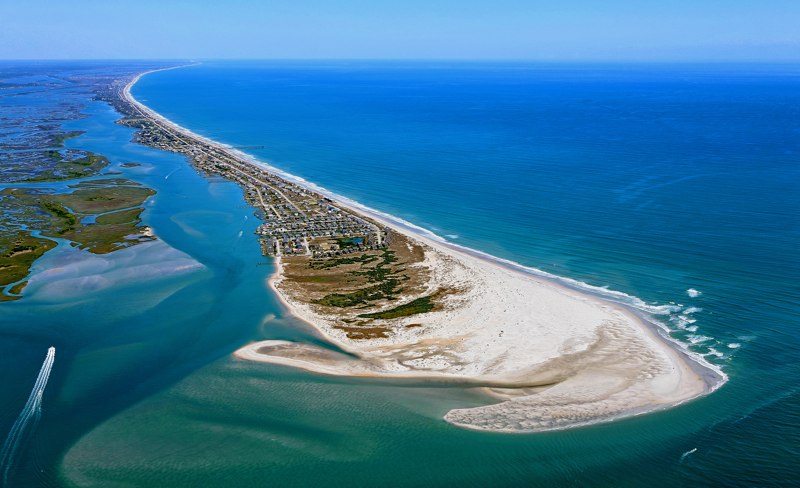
(675, 187)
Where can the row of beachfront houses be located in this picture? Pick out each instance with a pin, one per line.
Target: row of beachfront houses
(317, 235)
(297, 220)
(301, 245)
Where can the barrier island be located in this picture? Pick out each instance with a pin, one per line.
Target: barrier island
(400, 303)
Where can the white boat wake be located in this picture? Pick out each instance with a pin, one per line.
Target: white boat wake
(27, 419)
(687, 454)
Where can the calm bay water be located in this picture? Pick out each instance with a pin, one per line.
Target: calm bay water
(649, 180)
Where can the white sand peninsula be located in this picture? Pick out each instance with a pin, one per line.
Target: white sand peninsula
(554, 357)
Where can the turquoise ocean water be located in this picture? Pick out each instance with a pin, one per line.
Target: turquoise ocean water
(675, 186)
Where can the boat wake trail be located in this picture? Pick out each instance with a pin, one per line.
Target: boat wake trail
(27, 419)
(171, 173)
(687, 454)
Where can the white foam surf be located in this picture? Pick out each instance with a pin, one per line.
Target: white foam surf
(697, 338)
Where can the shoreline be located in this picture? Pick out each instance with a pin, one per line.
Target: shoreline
(683, 361)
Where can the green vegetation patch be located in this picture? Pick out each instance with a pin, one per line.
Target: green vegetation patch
(66, 169)
(111, 231)
(382, 291)
(58, 215)
(67, 218)
(18, 251)
(120, 216)
(17, 289)
(57, 140)
(380, 271)
(334, 262)
(102, 239)
(100, 182)
(385, 278)
(420, 305)
(105, 199)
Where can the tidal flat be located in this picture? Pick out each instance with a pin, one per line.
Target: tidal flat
(88, 210)
(102, 217)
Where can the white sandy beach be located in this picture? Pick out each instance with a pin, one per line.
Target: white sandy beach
(556, 357)
(551, 356)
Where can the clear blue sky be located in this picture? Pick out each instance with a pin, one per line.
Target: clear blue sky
(460, 29)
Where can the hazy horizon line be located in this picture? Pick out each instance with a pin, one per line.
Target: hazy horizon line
(433, 60)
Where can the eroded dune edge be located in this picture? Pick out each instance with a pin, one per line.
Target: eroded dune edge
(406, 305)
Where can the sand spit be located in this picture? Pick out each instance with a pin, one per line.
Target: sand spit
(555, 357)
(551, 356)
